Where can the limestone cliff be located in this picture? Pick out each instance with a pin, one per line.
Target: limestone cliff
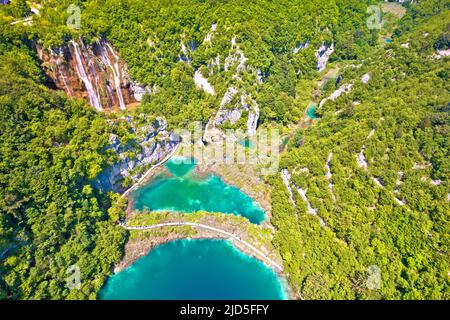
(152, 143)
(93, 72)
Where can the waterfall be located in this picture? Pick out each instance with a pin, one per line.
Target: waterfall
(92, 71)
(93, 97)
(253, 113)
(111, 94)
(69, 93)
(116, 73)
(323, 55)
(57, 58)
(185, 53)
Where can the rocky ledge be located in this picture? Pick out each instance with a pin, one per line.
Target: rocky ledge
(151, 144)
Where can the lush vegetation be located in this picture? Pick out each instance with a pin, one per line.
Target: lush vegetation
(406, 102)
(51, 217)
(265, 31)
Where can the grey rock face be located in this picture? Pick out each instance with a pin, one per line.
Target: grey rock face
(323, 55)
(152, 144)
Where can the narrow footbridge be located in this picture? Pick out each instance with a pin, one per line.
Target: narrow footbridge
(149, 171)
(221, 231)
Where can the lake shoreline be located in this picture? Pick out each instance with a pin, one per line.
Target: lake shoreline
(136, 249)
(278, 283)
(205, 169)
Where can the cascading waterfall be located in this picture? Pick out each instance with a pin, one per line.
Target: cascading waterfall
(110, 93)
(69, 92)
(92, 70)
(58, 69)
(94, 73)
(116, 74)
(93, 97)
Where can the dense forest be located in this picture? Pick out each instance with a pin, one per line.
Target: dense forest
(265, 31)
(392, 212)
(51, 216)
(386, 141)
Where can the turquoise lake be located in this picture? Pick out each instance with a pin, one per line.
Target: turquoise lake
(195, 269)
(183, 191)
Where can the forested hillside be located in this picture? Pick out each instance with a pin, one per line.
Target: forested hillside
(51, 216)
(165, 42)
(374, 170)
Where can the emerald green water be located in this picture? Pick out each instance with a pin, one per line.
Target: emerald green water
(184, 191)
(180, 166)
(246, 143)
(194, 269)
(311, 112)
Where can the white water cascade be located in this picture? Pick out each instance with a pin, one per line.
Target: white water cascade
(92, 70)
(116, 74)
(93, 97)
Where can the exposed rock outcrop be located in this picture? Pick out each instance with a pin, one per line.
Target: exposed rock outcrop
(210, 33)
(365, 78)
(232, 114)
(361, 158)
(300, 46)
(202, 83)
(184, 56)
(336, 94)
(328, 176)
(441, 54)
(231, 109)
(93, 72)
(214, 65)
(286, 177)
(237, 57)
